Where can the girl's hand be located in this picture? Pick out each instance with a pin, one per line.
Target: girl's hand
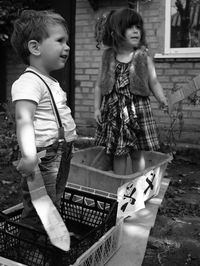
(97, 116)
(164, 107)
(26, 166)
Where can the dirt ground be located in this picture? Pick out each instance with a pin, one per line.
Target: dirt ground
(175, 238)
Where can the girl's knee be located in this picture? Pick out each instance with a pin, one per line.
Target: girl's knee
(138, 161)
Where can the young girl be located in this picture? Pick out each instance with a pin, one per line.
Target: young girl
(126, 79)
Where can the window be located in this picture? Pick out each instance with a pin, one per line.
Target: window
(182, 27)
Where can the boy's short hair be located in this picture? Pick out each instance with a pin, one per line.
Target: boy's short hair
(33, 25)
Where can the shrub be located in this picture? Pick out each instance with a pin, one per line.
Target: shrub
(8, 141)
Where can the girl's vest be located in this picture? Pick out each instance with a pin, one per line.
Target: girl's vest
(138, 72)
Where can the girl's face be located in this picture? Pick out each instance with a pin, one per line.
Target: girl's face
(133, 36)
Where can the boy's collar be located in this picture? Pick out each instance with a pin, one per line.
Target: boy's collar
(40, 73)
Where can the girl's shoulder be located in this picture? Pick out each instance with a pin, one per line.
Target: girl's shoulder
(108, 56)
(108, 51)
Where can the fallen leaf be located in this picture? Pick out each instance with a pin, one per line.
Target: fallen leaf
(6, 182)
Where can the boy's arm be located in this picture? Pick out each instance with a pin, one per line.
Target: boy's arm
(155, 85)
(24, 113)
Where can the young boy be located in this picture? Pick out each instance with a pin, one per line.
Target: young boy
(40, 38)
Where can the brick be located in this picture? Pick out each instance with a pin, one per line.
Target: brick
(81, 35)
(91, 71)
(82, 4)
(185, 65)
(79, 96)
(82, 23)
(193, 72)
(162, 65)
(88, 59)
(82, 108)
(82, 65)
(164, 78)
(93, 78)
(91, 46)
(87, 84)
(82, 17)
(180, 78)
(87, 115)
(167, 85)
(85, 90)
(78, 71)
(174, 72)
(88, 102)
(78, 90)
(83, 41)
(88, 29)
(81, 11)
(77, 47)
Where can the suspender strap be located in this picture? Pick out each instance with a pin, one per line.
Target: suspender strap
(61, 129)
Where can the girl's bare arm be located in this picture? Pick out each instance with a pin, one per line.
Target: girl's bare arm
(97, 99)
(155, 85)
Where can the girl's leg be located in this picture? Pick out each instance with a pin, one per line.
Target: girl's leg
(120, 164)
(138, 161)
(102, 161)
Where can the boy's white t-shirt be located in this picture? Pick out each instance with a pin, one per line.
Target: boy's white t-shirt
(31, 87)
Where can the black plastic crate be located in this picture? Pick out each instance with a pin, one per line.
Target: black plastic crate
(87, 216)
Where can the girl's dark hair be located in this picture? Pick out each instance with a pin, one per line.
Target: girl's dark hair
(110, 29)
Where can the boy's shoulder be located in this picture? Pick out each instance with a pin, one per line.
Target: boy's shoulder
(28, 79)
(28, 86)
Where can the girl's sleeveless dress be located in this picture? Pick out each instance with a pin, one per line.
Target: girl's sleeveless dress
(127, 119)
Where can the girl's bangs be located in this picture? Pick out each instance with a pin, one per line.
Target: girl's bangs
(132, 19)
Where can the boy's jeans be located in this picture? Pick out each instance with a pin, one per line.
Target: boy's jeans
(54, 168)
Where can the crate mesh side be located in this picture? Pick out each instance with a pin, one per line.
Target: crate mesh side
(80, 208)
(104, 249)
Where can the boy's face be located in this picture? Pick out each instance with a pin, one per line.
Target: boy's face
(54, 50)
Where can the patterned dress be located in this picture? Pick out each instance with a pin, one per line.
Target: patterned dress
(127, 120)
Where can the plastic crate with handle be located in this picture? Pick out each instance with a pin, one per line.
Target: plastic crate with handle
(87, 216)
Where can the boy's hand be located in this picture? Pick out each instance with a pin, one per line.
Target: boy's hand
(27, 165)
(97, 116)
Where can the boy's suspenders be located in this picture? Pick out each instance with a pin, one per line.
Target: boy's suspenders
(51, 218)
(60, 128)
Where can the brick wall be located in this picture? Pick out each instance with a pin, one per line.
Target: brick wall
(86, 66)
